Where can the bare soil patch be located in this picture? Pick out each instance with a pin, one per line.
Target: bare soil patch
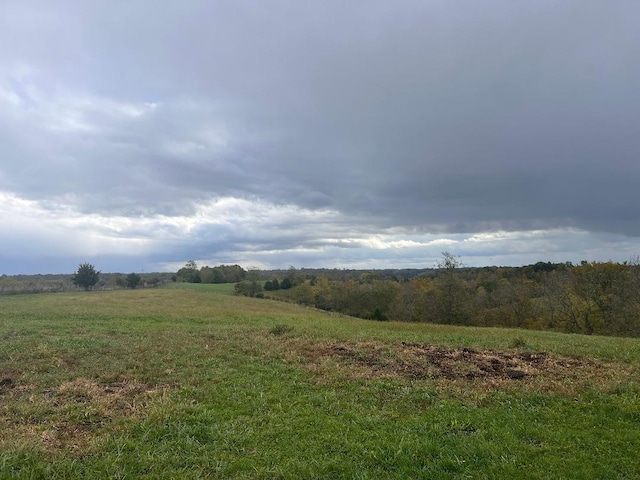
(416, 361)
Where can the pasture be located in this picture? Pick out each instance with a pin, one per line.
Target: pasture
(192, 382)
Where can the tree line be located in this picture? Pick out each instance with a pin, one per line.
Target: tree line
(86, 277)
(600, 298)
(190, 273)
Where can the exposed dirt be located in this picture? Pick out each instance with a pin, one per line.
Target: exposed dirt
(114, 394)
(423, 361)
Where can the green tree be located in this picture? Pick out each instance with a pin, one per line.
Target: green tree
(232, 273)
(211, 275)
(86, 276)
(293, 277)
(189, 273)
(133, 280)
(249, 288)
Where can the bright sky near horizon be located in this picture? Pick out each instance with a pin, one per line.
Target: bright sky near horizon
(138, 135)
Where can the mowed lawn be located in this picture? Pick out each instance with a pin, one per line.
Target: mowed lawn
(195, 383)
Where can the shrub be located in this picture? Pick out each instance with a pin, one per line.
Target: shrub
(281, 329)
(133, 280)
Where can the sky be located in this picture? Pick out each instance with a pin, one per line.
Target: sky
(138, 135)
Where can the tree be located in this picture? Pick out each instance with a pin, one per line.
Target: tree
(232, 273)
(133, 280)
(86, 276)
(189, 273)
(452, 297)
(219, 274)
(516, 300)
(293, 277)
(192, 265)
(249, 288)
(449, 262)
(210, 275)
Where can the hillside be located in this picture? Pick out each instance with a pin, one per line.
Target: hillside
(191, 382)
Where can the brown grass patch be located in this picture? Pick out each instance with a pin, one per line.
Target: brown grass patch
(71, 416)
(479, 369)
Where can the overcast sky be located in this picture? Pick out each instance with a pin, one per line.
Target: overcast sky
(137, 135)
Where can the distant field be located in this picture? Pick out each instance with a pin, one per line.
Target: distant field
(224, 288)
(188, 382)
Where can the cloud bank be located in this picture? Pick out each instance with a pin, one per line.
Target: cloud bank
(363, 135)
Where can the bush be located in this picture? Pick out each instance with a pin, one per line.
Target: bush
(378, 315)
(133, 280)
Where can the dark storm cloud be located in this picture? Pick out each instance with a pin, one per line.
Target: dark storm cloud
(423, 117)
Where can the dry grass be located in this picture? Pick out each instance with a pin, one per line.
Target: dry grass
(72, 415)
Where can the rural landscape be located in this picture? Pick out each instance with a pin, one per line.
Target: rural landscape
(319, 240)
(178, 379)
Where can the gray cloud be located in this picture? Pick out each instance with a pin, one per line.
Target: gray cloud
(414, 119)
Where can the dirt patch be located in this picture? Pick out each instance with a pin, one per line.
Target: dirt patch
(70, 416)
(107, 400)
(423, 361)
(65, 436)
(6, 384)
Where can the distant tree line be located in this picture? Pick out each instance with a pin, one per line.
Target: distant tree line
(397, 274)
(20, 284)
(600, 298)
(190, 273)
(253, 286)
(86, 277)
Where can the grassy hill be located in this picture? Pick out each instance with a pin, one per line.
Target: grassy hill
(195, 383)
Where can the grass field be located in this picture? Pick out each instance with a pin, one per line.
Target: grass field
(194, 383)
(224, 288)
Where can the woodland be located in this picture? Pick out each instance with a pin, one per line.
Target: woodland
(593, 298)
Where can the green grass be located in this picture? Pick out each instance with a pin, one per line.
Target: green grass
(224, 288)
(186, 382)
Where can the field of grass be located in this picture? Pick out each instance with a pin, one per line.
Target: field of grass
(224, 288)
(194, 383)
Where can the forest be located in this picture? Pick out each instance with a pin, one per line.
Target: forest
(593, 298)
